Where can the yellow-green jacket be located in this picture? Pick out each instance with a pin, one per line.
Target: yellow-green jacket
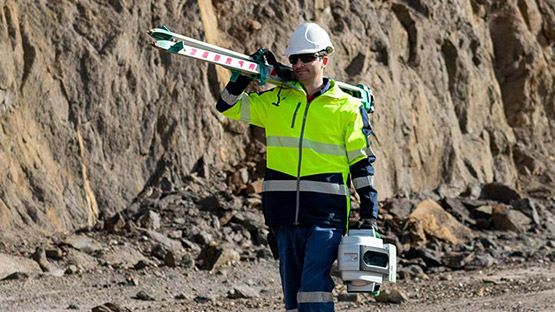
(312, 148)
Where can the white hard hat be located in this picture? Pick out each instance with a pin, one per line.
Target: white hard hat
(309, 38)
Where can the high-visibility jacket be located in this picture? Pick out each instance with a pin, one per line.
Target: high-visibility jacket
(312, 147)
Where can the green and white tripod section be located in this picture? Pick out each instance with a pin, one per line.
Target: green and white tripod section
(175, 43)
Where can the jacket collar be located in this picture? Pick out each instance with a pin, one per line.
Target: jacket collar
(329, 88)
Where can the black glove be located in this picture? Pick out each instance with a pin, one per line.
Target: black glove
(266, 56)
(243, 80)
(367, 224)
(283, 71)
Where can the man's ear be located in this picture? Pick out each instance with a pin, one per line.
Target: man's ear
(325, 60)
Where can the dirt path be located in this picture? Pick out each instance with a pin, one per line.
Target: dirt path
(509, 288)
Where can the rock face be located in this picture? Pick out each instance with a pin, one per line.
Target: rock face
(92, 117)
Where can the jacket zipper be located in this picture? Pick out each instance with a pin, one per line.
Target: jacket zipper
(299, 167)
(295, 115)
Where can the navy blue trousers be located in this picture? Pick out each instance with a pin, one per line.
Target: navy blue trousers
(306, 254)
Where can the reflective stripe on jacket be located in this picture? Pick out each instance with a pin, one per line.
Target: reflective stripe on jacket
(311, 150)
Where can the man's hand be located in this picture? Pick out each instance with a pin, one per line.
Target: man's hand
(367, 224)
(244, 79)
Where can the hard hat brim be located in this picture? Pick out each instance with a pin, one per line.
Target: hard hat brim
(288, 52)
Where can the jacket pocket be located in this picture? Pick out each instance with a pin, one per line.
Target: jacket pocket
(295, 115)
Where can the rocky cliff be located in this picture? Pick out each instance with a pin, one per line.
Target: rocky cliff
(92, 117)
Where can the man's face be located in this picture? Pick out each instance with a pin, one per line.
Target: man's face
(310, 71)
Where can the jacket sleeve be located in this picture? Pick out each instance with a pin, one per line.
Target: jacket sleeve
(361, 156)
(236, 104)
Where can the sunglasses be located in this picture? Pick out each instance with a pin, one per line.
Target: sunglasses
(305, 58)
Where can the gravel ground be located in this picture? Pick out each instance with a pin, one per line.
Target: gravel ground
(518, 287)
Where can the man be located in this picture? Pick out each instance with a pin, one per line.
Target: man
(316, 136)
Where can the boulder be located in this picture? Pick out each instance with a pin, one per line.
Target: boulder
(253, 202)
(189, 246)
(183, 296)
(175, 234)
(472, 204)
(205, 298)
(11, 264)
(71, 269)
(482, 215)
(187, 262)
(256, 186)
(457, 209)
(410, 271)
(238, 180)
(54, 253)
(169, 259)
(210, 203)
(431, 258)
(143, 264)
(488, 243)
(413, 234)
(143, 295)
(457, 260)
(101, 308)
(83, 243)
(479, 261)
(167, 242)
(150, 220)
(250, 220)
(436, 222)
(393, 295)
(499, 192)
(40, 257)
(214, 257)
(483, 212)
(226, 257)
(111, 307)
(505, 219)
(17, 276)
(243, 292)
(203, 238)
(80, 261)
(528, 207)
(122, 255)
(115, 223)
(158, 251)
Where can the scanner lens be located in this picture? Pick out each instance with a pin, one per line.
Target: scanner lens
(375, 259)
